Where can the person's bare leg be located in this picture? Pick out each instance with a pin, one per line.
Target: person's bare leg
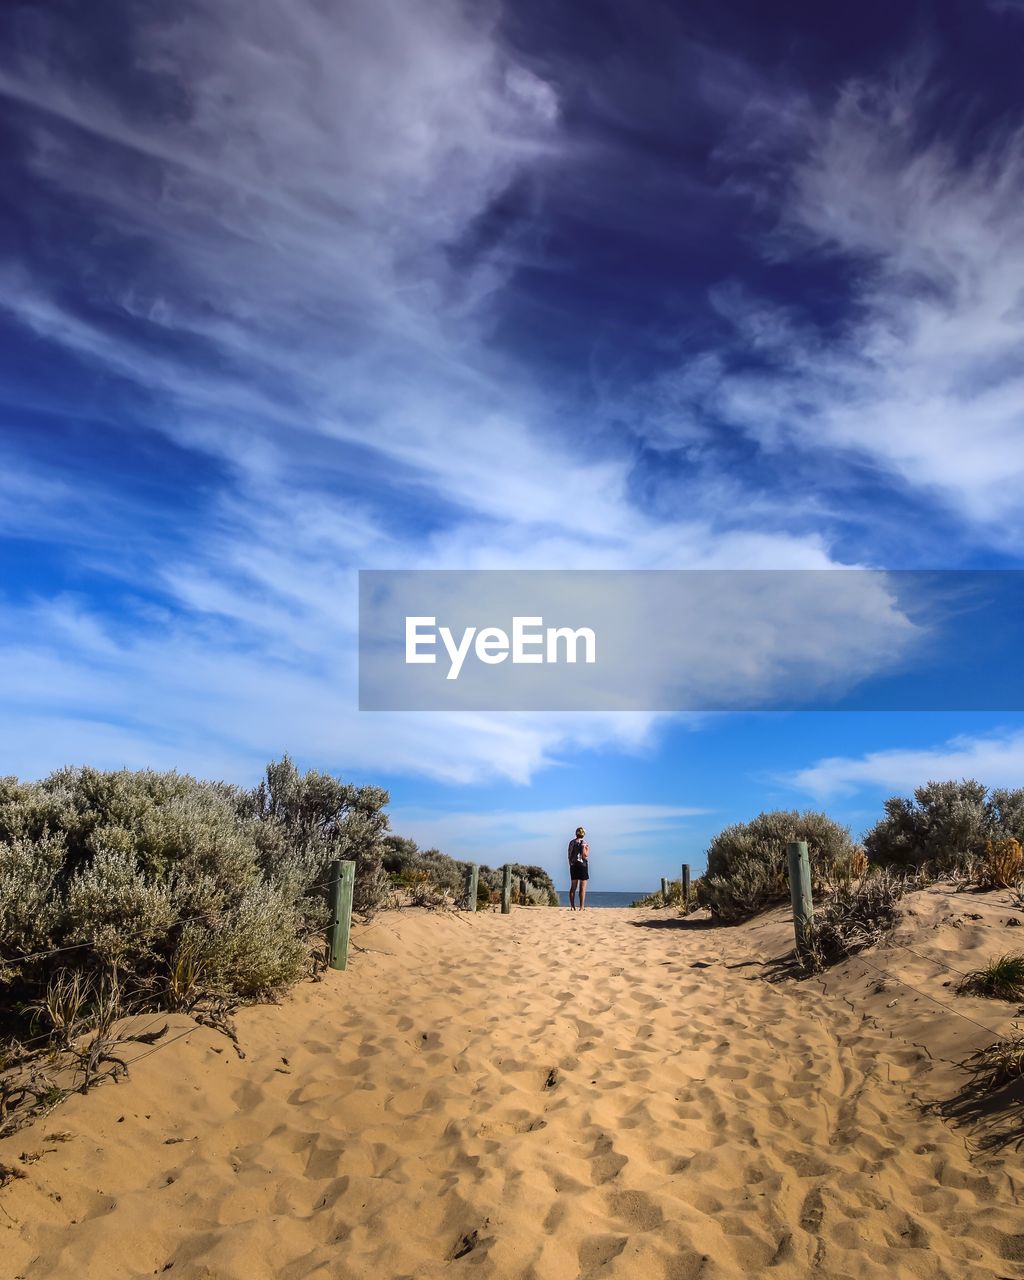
(583, 893)
(572, 895)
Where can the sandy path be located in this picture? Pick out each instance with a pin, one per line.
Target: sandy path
(547, 1095)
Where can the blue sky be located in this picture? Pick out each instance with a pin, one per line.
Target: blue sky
(290, 290)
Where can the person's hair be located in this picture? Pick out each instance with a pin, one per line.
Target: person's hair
(580, 831)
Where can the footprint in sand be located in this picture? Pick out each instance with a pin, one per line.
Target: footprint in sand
(597, 1251)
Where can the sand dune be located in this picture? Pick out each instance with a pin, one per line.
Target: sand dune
(541, 1095)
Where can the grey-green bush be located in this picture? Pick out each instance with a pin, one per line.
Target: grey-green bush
(746, 869)
(945, 825)
(133, 873)
(409, 866)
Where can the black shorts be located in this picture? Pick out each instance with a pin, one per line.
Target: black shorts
(579, 871)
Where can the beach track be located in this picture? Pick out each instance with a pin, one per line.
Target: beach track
(544, 1096)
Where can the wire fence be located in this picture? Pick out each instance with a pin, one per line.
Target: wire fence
(54, 1032)
(204, 917)
(59, 1036)
(958, 1013)
(888, 975)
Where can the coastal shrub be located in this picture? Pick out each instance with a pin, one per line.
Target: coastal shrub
(659, 899)
(696, 891)
(846, 869)
(1006, 812)
(447, 874)
(434, 878)
(157, 818)
(305, 821)
(945, 825)
(119, 910)
(430, 876)
(424, 892)
(673, 898)
(854, 916)
(747, 869)
(30, 903)
(159, 882)
(399, 854)
(540, 887)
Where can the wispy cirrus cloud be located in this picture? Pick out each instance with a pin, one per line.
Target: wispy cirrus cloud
(996, 759)
(277, 236)
(921, 377)
(275, 224)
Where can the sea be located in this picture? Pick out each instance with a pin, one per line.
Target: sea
(606, 897)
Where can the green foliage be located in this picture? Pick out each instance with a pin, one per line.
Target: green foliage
(746, 869)
(399, 854)
(446, 874)
(946, 825)
(997, 1064)
(1002, 979)
(673, 898)
(307, 820)
(1006, 812)
(165, 883)
(855, 915)
(30, 904)
(433, 875)
(540, 888)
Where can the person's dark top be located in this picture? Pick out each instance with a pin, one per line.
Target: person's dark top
(578, 851)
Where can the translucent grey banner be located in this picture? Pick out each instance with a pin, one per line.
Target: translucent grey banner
(691, 640)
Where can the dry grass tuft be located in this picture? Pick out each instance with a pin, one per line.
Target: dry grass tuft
(8, 1173)
(854, 916)
(1001, 864)
(997, 1064)
(1002, 979)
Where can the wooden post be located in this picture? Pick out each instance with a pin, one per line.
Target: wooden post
(342, 878)
(472, 882)
(684, 887)
(664, 889)
(800, 889)
(522, 891)
(506, 889)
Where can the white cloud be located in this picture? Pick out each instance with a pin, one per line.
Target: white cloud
(306, 306)
(923, 380)
(299, 189)
(996, 759)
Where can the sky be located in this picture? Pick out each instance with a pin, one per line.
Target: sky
(294, 289)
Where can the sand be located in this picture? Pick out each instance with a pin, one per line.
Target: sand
(543, 1095)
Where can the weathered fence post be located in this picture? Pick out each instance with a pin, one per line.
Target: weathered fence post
(506, 889)
(800, 889)
(342, 881)
(684, 887)
(522, 891)
(664, 890)
(472, 882)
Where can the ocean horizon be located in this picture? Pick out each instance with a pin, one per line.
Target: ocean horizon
(607, 897)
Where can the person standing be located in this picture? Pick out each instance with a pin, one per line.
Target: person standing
(579, 868)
